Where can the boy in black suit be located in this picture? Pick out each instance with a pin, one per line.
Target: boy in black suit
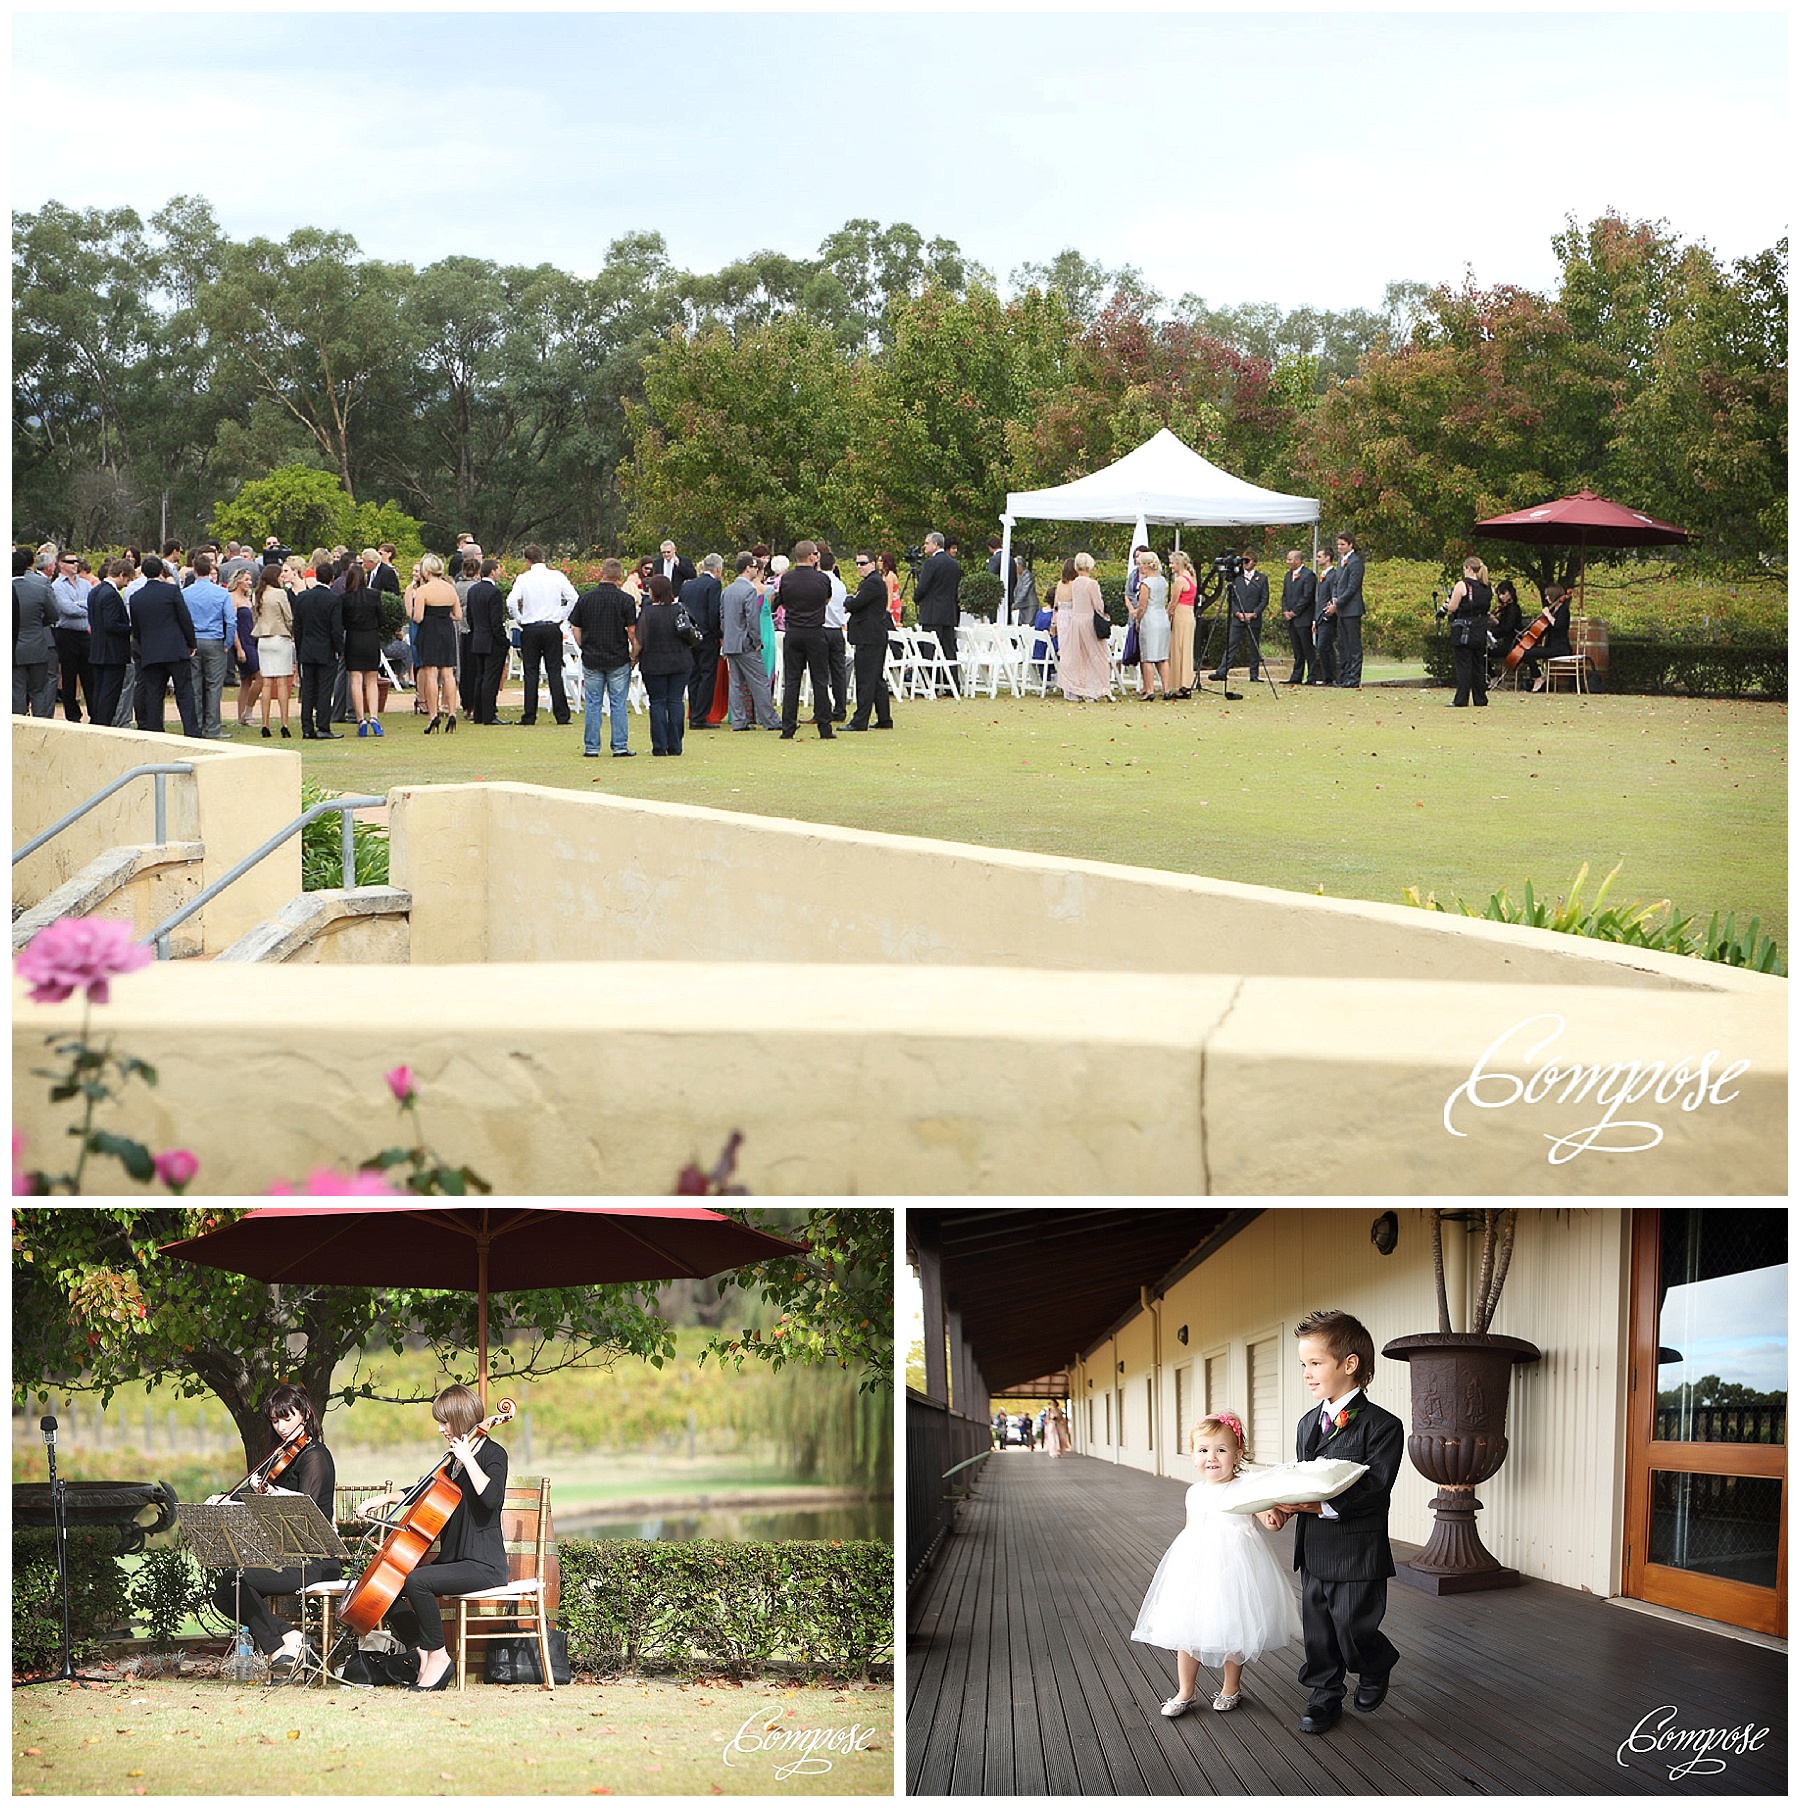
(1341, 1546)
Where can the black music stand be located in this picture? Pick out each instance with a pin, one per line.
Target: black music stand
(228, 1535)
(303, 1536)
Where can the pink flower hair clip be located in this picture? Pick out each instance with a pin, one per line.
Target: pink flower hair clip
(1236, 1424)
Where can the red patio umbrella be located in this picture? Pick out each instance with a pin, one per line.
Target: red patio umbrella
(1583, 520)
(481, 1248)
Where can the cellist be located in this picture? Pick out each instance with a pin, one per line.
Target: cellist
(472, 1547)
(292, 1418)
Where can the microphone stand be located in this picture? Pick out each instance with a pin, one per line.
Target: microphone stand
(60, 1518)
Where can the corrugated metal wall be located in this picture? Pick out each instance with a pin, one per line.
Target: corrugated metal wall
(1554, 1510)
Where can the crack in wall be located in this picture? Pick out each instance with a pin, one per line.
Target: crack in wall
(1206, 1181)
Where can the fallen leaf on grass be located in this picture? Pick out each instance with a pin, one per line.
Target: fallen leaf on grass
(599, 1789)
(448, 1778)
(295, 1734)
(34, 1751)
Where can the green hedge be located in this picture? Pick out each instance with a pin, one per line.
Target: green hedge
(97, 1603)
(714, 1606)
(1641, 667)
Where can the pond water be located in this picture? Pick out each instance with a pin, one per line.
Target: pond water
(850, 1519)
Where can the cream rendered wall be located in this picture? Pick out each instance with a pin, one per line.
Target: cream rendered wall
(234, 800)
(1554, 1511)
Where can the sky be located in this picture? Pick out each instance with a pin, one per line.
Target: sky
(1299, 157)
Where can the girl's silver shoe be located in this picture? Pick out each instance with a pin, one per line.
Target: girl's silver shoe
(1176, 1705)
(1223, 1703)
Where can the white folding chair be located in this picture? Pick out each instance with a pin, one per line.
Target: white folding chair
(1038, 667)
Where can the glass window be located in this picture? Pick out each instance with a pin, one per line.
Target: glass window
(1721, 1374)
(1717, 1525)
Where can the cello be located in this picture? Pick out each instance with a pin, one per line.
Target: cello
(423, 1512)
(1529, 639)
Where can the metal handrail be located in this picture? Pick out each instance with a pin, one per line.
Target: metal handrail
(344, 806)
(99, 797)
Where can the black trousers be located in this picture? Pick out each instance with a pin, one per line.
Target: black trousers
(872, 685)
(315, 697)
(1341, 1624)
(540, 643)
(1306, 659)
(947, 640)
(1325, 660)
(150, 683)
(72, 658)
(803, 650)
(489, 669)
(109, 684)
(836, 658)
(1349, 650)
(1471, 673)
(700, 684)
(429, 1580)
(248, 1606)
(1241, 643)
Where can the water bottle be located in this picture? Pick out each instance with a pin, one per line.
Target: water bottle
(240, 1666)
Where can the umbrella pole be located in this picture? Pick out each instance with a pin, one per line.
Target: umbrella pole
(481, 1322)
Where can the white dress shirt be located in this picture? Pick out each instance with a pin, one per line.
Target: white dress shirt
(1327, 1413)
(540, 594)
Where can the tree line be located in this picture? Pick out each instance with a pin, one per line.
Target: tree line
(877, 390)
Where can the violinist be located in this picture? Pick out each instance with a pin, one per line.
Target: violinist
(301, 1465)
(471, 1548)
(1508, 617)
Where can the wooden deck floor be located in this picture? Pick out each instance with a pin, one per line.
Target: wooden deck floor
(1022, 1677)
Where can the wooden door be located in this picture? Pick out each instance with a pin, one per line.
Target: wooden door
(1706, 1453)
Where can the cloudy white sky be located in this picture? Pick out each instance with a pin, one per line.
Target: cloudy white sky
(1301, 157)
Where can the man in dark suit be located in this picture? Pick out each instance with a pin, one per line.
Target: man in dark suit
(1325, 664)
(1349, 604)
(805, 594)
(868, 634)
(1249, 598)
(109, 640)
(318, 646)
(488, 642)
(1341, 1546)
(700, 597)
(675, 568)
(1298, 590)
(937, 595)
(162, 639)
(34, 633)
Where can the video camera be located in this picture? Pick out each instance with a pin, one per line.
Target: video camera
(1229, 566)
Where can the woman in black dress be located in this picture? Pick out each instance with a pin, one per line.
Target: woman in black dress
(665, 662)
(1469, 604)
(1508, 617)
(362, 647)
(313, 1473)
(472, 1547)
(433, 603)
(1555, 643)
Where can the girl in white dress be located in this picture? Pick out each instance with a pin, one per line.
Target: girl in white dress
(1219, 1596)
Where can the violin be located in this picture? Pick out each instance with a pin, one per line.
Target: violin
(424, 1511)
(275, 1464)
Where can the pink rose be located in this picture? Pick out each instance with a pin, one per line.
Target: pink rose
(400, 1084)
(176, 1167)
(328, 1182)
(76, 953)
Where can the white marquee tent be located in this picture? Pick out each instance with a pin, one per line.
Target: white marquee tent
(1164, 483)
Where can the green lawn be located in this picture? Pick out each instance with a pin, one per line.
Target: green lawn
(629, 1737)
(1356, 795)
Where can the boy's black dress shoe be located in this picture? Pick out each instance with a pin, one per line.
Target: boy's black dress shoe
(1371, 1692)
(1320, 1720)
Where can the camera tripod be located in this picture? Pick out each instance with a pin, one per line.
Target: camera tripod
(1258, 664)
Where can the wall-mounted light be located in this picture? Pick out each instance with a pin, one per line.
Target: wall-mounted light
(1121, 1368)
(1181, 1333)
(1384, 1233)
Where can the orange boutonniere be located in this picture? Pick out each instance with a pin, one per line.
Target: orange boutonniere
(1344, 1419)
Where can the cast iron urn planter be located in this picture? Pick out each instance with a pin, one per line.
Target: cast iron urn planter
(1460, 1382)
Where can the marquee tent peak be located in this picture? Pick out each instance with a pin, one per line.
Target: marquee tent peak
(1164, 483)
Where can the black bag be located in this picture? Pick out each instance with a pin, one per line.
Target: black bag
(380, 1669)
(1102, 626)
(1468, 631)
(515, 1660)
(685, 630)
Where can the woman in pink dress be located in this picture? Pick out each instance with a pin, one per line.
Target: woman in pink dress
(1082, 667)
(1182, 588)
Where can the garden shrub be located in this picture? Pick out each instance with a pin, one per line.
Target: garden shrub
(1749, 665)
(167, 1590)
(97, 1599)
(712, 1605)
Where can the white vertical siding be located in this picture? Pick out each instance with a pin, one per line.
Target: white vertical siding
(1554, 1510)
